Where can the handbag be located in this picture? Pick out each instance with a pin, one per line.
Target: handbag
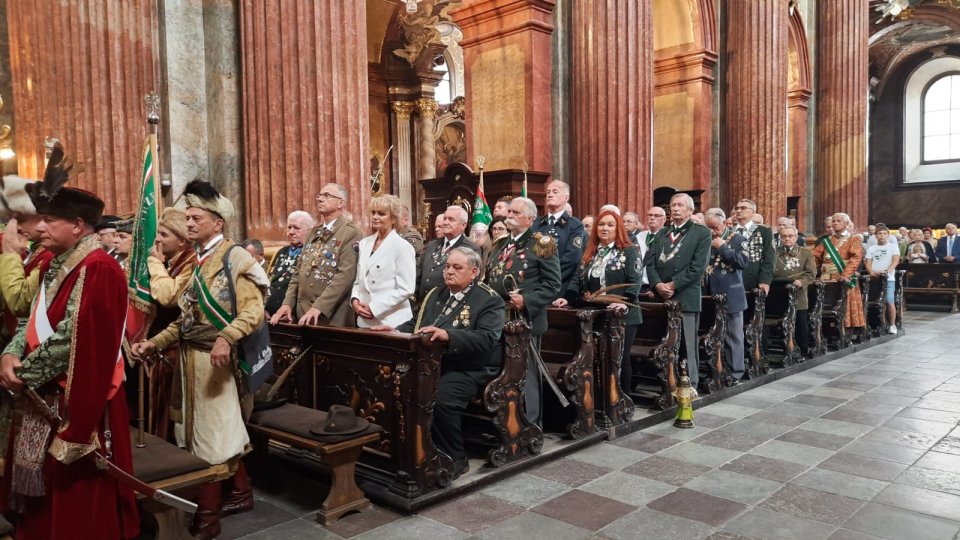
(254, 352)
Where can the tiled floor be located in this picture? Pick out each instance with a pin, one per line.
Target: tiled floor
(863, 447)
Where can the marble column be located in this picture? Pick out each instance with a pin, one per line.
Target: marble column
(797, 111)
(403, 150)
(508, 70)
(80, 70)
(612, 104)
(427, 158)
(305, 107)
(842, 82)
(753, 147)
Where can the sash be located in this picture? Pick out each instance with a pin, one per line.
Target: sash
(837, 260)
(220, 318)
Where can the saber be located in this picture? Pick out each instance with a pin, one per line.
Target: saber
(107, 466)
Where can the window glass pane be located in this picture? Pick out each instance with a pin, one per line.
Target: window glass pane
(442, 93)
(955, 120)
(954, 147)
(936, 148)
(936, 123)
(938, 96)
(955, 90)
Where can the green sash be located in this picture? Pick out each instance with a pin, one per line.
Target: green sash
(837, 260)
(219, 317)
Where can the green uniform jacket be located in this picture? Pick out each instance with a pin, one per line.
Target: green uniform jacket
(623, 266)
(793, 264)
(762, 257)
(683, 262)
(474, 324)
(514, 265)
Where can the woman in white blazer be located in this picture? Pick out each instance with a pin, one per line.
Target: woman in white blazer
(386, 269)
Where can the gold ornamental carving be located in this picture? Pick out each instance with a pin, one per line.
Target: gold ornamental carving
(427, 107)
(403, 109)
(420, 27)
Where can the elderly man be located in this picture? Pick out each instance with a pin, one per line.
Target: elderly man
(410, 233)
(564, 228)
(656, 217)
(468, 316)
(208, 331)
(319, 289)
(838, 257)
(675, 265)
(65, 358)
(631, 222)
(284, 263)
(430, 271)
(724, 276)
(759, 273)
(948, 248)
(255, 248)
(796, 266)
(106, 230)
(524, 269)
(438, 225)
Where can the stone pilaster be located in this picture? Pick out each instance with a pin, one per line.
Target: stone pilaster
(427, 158)
(403, 150)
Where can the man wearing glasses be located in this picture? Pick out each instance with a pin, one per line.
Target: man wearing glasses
(319, 289)
(759, 246)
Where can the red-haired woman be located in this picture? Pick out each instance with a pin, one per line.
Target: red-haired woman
(610, 259)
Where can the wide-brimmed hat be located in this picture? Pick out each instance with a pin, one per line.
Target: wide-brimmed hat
(341, 420)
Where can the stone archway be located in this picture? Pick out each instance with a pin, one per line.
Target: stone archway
(799, 90)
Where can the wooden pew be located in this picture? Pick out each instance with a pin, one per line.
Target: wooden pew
(710, 338)
(874, 292)
(569, 351)
(655, 353)
(753, 319)
(833, 313)
(388, 378)
(815, 292)
(616, 406)
(898, 298)
(780, 323)
(931, 286)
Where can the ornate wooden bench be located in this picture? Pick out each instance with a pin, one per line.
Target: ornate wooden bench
(898, 298)
(934, 281)
(289, 426)
(753, 319)
(833, 313)
(874, 291)
(569, 351)
(616, 407)
(710, 337)
(815, 292)
(780, 323)
(655, 352)
(172, 469)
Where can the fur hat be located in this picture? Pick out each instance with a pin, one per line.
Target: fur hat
(175, 219)
(14, 197)
(200, 194)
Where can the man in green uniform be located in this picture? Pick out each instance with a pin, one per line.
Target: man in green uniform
(797, 266)
(524, 269)
(675, 264)
(759, 273)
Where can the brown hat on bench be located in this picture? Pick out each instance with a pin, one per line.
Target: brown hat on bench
(341, 420)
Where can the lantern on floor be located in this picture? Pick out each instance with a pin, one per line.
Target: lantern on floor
(684, 394)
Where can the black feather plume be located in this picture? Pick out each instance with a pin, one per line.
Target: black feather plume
(58, 171)
(201, 189)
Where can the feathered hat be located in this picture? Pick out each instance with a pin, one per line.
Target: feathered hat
(50, 196)
(14, 197)
(200, 194)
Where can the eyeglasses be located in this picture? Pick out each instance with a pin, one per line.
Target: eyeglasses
(325, 196)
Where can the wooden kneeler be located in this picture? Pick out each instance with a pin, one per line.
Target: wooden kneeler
(167, 467)
(290, 425)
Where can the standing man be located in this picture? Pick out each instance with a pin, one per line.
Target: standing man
(675, 265)
(524, 270)
(65, 361)
(209, 418)
(255, 248)
(502, 207)
(410, 233)
(884, 257)
(468, 316)
(106, 229)
(430, 271)
(838, 257)
(796, 265)
(284, 263)
(564, 228)
(319, 289)
(759, 273)
(948, 248)
(656, 217)
(631, 222)
(724, 276)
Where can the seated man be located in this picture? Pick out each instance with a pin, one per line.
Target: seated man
(884, 257)
(468, 316)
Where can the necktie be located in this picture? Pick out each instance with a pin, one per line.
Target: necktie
(446, 246)
(949, 245)
(551, 220)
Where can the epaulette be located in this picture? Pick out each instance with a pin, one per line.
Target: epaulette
(544, 245)
(487, 288)
(352, 225)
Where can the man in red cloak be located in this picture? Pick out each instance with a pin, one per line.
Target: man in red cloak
(68, 354)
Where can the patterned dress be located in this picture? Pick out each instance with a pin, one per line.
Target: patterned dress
(850, 248)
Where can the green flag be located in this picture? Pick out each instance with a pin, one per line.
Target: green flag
(140, 311)
(481, 210)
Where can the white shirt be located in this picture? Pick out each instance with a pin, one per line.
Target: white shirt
(450, 243)
(882, 257)
(556, 217)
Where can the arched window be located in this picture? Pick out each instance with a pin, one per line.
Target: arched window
(443, 93)
(941, 119)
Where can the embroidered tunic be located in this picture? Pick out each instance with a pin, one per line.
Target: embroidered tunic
(850, 248)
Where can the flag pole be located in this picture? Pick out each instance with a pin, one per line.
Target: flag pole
(523, 190)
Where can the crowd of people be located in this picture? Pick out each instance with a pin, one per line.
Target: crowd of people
(64, 302)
